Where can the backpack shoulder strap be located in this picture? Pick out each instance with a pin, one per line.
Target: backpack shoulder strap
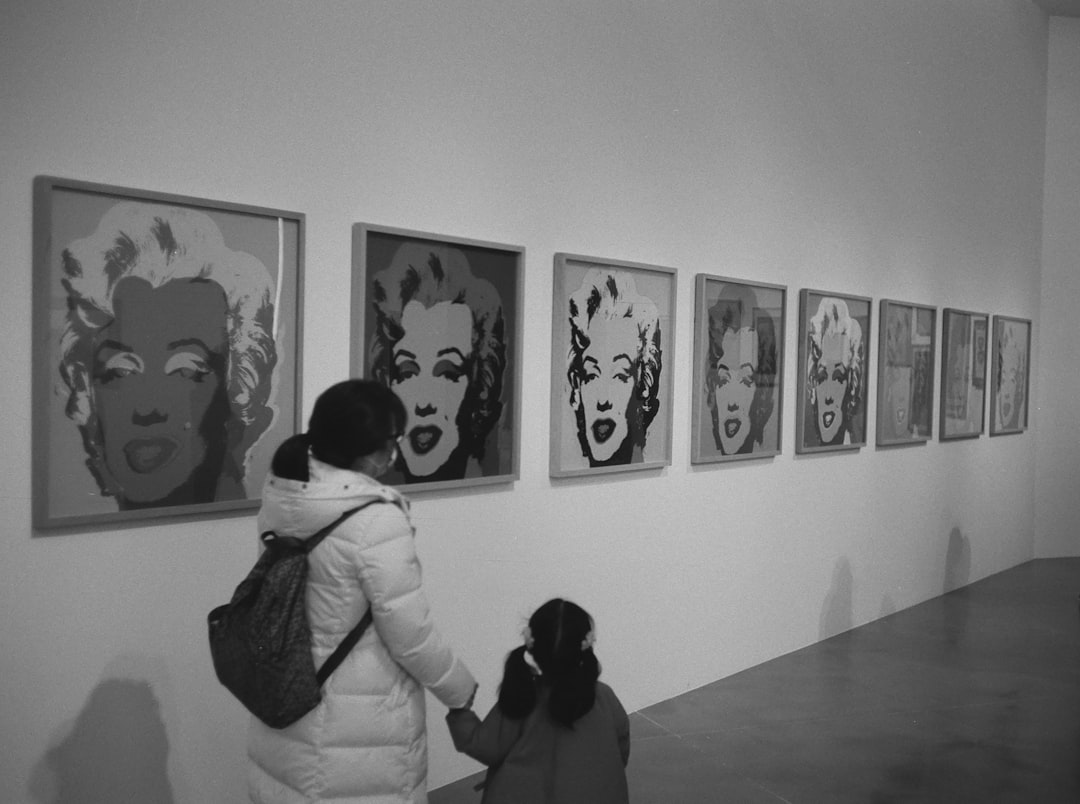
(350, 640)
(342, 650)
(312, 541)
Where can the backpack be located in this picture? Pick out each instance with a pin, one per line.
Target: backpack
(260, 641)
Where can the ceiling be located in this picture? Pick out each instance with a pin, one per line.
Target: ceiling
(1060, 8)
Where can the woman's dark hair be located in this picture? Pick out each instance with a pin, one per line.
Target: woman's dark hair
(568, 667)
(351, 419)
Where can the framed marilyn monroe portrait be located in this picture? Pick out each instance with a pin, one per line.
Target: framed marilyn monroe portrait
(438, 320)
(738, 369)
(613, 336)
(834, 369)
(166, 351)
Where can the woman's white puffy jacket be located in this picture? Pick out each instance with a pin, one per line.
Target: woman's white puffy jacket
(365, 742)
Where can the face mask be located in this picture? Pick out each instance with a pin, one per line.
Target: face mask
(379, 471)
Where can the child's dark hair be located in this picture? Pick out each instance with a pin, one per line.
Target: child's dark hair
(351, 419)
(559, 638)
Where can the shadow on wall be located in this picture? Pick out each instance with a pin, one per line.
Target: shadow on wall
(888, 606)
(957, 576)
(116, 751)
(957, 561)
(837, 613)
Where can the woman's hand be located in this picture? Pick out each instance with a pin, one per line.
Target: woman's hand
(468, 704)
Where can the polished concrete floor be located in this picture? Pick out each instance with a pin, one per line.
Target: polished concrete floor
(970, 697)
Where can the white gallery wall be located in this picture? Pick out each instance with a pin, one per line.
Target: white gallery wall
(891, 150)
(1057, 432)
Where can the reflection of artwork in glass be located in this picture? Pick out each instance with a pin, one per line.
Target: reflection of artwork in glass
(1010, 375)
(738, 361)
(613, 367)
(963, 399)
(922, 377)
(741, 371)
(440, 342)
(898, 371)
(167, 351)
(835, 361)
(959, 361)
(905, 381)
(978, 355)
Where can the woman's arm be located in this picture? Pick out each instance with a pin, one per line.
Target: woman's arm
(390, 577)
(487, 742)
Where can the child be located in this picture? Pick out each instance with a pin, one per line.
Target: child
(556, 735)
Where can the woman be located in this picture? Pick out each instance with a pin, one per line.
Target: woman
(366, 740)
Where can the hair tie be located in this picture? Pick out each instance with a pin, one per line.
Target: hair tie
(588, 641)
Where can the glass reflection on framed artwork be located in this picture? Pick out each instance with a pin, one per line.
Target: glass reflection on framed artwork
(963, 374)
(906, 347)
(738, 369)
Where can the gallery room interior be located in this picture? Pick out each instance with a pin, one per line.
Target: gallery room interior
(923, 152)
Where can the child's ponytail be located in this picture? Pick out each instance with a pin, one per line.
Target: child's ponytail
(573, 688)
(290, 460)
(517, 693)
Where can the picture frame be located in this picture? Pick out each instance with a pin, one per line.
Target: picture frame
(612, 343)
(905, 393)
(834, 371)
(1010, 375)
(962, 406)
(167, 352)
(438, 319)
(738, 376)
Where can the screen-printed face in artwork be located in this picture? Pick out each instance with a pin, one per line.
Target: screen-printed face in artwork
(607, 387)
(735, 389)
(159, 390)
(431, 375)
(831, 384)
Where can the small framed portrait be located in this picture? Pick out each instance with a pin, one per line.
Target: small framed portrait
(834, 367)
(738, 369)
(963, 374)
(1010, 359)
(437, 319)
(167, 337)
(613, 336)
(905, 395)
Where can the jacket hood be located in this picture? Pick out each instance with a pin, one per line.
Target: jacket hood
(299, 508)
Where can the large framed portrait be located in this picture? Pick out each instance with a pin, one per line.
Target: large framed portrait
(437, 319)
(963, 374)
(905, 395)
(167, 334)
(738, 369)
(834, 368)
(613, 336)
(1010, 359)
